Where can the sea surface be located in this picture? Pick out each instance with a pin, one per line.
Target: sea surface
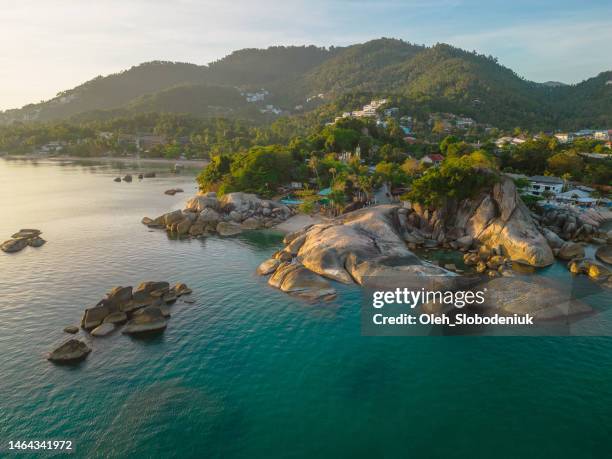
(247, 371)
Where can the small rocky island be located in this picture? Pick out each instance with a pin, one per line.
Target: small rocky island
(142, 311)
(22, 239)
(228, 216)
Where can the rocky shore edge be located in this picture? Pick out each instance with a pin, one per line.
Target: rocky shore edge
(233, 213)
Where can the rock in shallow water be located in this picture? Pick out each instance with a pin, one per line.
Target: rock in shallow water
(268, 267)
(72, 329)
(71, 351)
(103, 330)
(14, 245)
(148, 320)
(604, 253)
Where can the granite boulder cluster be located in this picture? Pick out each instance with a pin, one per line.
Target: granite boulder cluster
(22, 239)
(230, 215)
(139, 311)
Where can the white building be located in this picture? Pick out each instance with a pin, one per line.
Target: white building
(540, 184)
(564, 137)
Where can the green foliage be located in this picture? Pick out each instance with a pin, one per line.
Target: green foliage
(455, 178)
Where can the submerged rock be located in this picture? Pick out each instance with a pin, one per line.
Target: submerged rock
(228, 229)
(72, 350)
(72, 329)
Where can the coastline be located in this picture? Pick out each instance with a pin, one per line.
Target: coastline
(195, 163)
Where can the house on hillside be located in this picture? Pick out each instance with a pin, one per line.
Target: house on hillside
(564, 137)
(434, 159)
(603, 134)
(540, 184)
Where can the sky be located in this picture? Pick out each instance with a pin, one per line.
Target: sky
(49, 46)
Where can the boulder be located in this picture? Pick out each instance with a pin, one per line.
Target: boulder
(173, 217)
(27, 233)
(268, 266)
(235, 216)
(116, 318)
(209, 215)
(604, 253)
(304, 283)
(147, 221)
(94, 317)
(73, 350)
(554, 241)
(142, 293)
(118, 297)
(127, 178)
(228, 229)
(240, 202)
(103, 330)
(13, 245)
(495, 218)
(181, 289)
(183, 227)
(251, 223)
(148, 320)
(72, 329)
(571, 250)
(200, 203)
(465, 242)
(117, 179)
(197, 229)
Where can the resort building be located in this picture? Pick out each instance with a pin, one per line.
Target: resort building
(539, 184)
(434, 159)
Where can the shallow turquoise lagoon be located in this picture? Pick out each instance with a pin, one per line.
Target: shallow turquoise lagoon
(247, 371)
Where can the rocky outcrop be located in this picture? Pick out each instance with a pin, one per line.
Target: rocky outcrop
(576, 225)
(297, 280)
(22, 239)
(363, 246)
(122, 303)
(604, 253)
(268, 266)
(71, 351)
(497, 219)
(571, 250)
(148, 320)
(227, 216)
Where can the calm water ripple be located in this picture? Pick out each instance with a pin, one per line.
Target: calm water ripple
(247, 371)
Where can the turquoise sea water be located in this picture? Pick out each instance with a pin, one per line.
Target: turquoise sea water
(247, 371)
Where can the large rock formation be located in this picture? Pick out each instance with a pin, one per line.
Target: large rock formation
(497, 219)
(227, 216)
(363, 246)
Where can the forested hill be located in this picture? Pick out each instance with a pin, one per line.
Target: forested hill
(437, 78)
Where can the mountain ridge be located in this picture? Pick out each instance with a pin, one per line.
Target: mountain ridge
(429, 78)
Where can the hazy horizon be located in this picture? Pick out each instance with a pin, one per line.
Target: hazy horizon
(48, 48)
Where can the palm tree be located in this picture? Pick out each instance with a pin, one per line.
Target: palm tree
(313, 164)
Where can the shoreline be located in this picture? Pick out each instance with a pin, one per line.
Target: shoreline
(196, 163)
